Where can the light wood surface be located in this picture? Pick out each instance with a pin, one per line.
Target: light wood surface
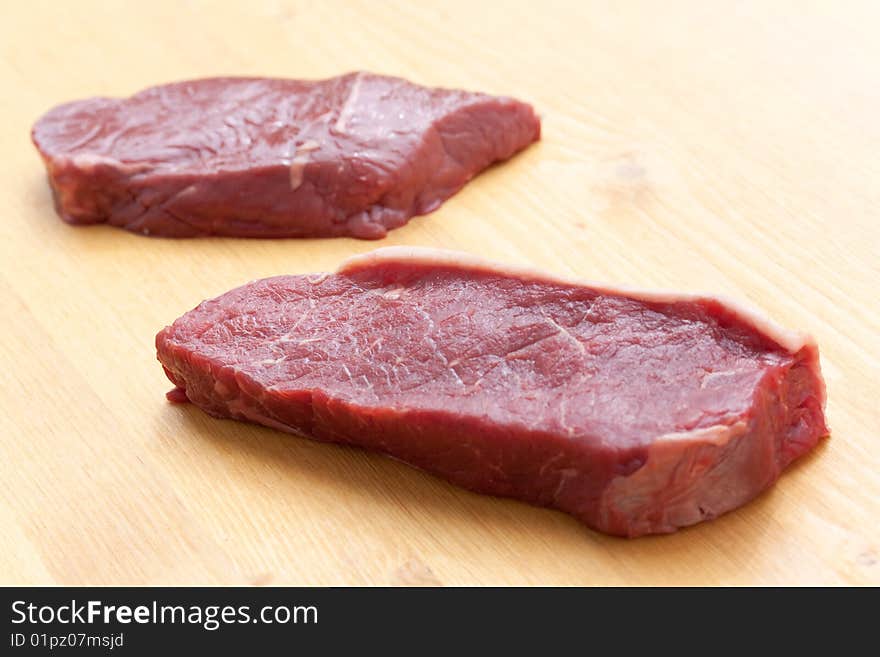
(724, 147)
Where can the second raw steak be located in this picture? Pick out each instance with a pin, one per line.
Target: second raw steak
(352, 156)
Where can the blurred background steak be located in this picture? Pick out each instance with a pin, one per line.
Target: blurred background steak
(355, 155)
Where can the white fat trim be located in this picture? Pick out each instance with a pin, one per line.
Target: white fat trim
(88, 161)
(298, 165)
(719, 434)
(348, 106)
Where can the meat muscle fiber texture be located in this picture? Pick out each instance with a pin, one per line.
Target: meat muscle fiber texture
(635, 412)
(355, 155)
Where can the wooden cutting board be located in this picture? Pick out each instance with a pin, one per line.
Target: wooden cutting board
(687, 145)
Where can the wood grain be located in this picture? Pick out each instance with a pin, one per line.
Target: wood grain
(721, 147)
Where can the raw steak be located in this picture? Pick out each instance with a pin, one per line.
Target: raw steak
(636, 412)
(355, 155)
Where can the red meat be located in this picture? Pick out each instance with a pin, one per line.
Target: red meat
(636, 412)
(353, 156)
